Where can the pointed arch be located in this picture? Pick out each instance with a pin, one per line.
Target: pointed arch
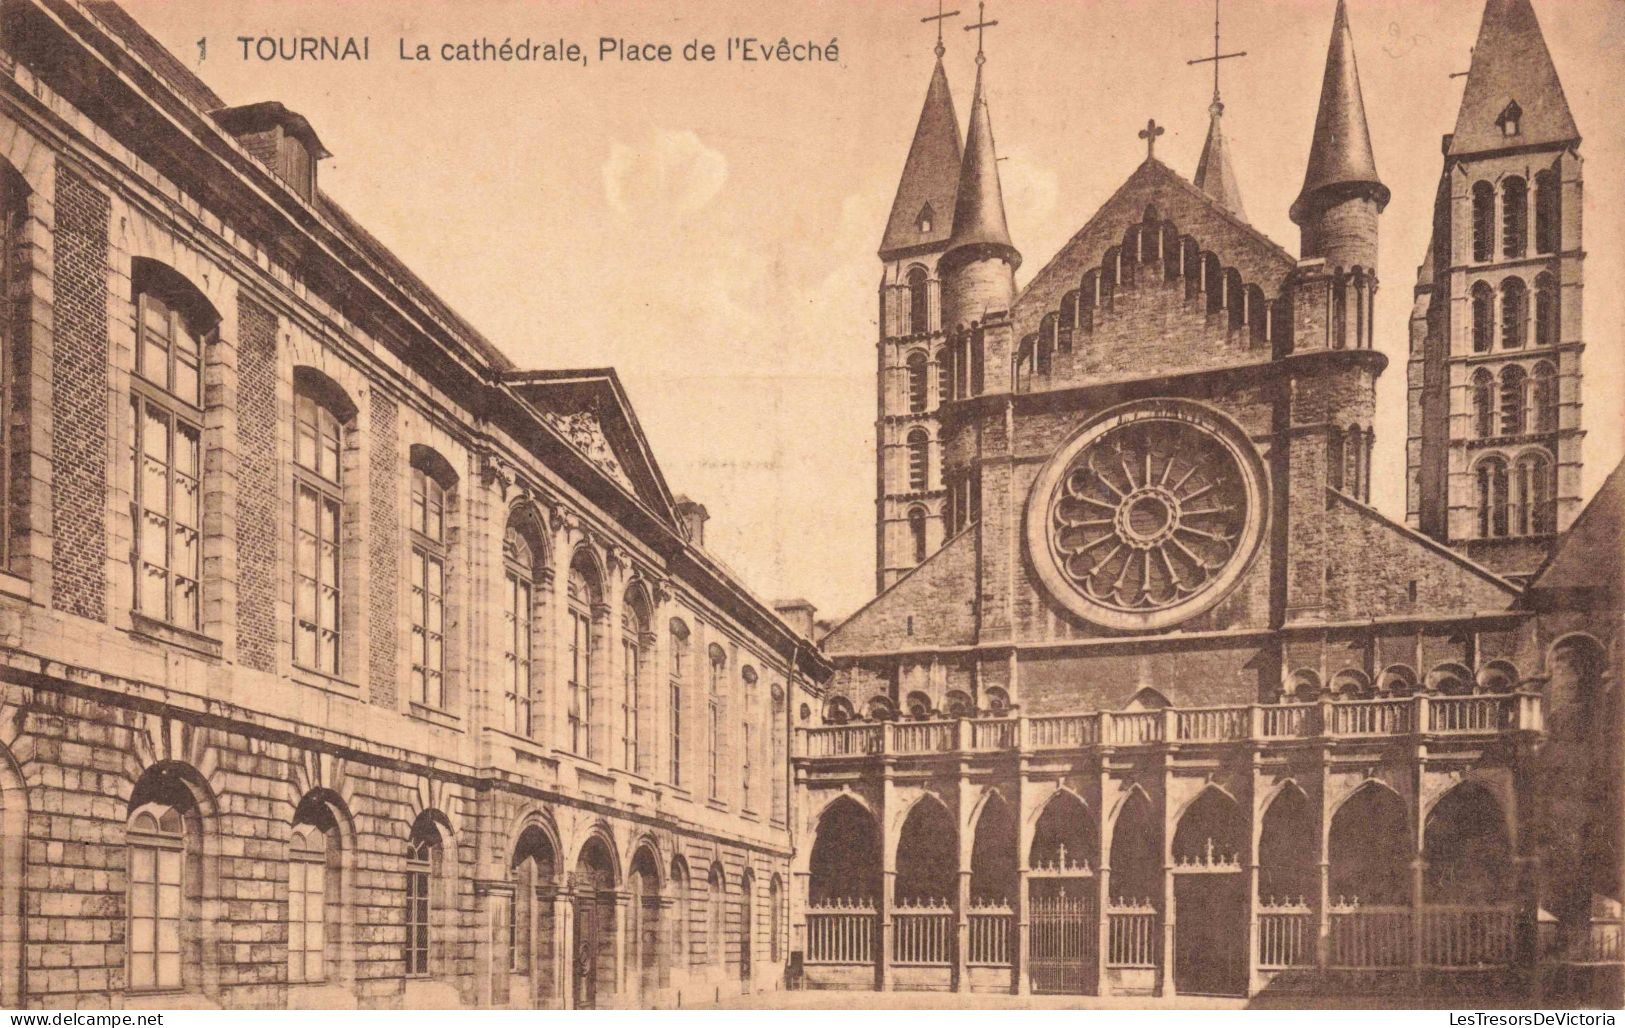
(1065, 832)
(927, 853)
(1466, 848)
(1286, 847)
(1136, 851)
(844, 864)
(1369, 847)
(1210, 828)
(993, 852)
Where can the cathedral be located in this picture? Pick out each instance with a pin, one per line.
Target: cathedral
(1152, 701)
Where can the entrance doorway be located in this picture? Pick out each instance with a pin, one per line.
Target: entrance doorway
(1210, 934)
(592, 964)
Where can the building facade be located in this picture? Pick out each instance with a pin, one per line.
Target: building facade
(1173, 709)
(342, 662)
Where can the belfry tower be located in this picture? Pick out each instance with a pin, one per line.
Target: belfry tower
(1493, 454)
(910, 359)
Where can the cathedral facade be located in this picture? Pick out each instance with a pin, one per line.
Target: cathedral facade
(342, 663)
(1153, 701)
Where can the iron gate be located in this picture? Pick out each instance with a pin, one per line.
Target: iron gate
(1063, 937)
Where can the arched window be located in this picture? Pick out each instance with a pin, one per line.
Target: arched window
(713, 728)
(680, 946)
(747, 734)
(321, 421)
(998, 701)
(432, 484)
(1491, 476)
(1514, 217)
(634, 649)
(1547, 325)
(423, 856)
(1514, 313)
(919, 302)
(522, 565)
(582, 595)
(1514, 408)
(1483, 221)
(775, 918)
(1548, 213)
(916, 533)
(313, 892)
(1483, 317)
(919, 460)
(1544, 392)
(1533, 510)
(680, 650)
(714, 900)
(777, 765)
(838, 711)
(161, 881)
(1483, 403)
(915, 365)
(173, 325)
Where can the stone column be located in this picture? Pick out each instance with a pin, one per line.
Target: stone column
(1103, 877)
(623, 990)
(564, 950)
(967, 843)
(888, 858)
(1021, 965)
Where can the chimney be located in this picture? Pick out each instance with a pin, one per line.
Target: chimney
(693, 516)
(799, 615)
(281, 139)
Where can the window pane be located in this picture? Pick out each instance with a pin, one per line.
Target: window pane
(186, 379)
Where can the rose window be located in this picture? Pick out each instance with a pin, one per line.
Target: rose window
(1148, 515)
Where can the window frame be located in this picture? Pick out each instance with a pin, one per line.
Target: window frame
(677, 674)
(719, 668)
(422, 854)
(303, 859)
(165, 848)
(579, 686)
(428, 555)
(328, 498)
(519, 620)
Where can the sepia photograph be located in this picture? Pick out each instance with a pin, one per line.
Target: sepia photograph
(818, 505)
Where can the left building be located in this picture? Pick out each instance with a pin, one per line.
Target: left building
(341, 661)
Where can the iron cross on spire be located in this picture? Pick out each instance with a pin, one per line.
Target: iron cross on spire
(1150, 133)
(981, 23)
(1217, 56)
(939, 18)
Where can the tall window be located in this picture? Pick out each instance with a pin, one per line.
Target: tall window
(917, 382)
(1546, 310)
(307, 904)
(1483, 403)
(1514, 313)
(1532, 482)
(714, 899)
(1491, 477)
(919, 460)
(157, 837)
(679, 674)
(681, 956)
(581, 596)
(428, 533)
(519, 563)
(1545, 397)
(165, 432)
(1483, 221)
(919, 303)
(1483, 317)
(1548, 213)
(1514, 392)
(747, 735)
(916, 533)
(634, 627)
(713, 732)
(775, 917)
(776, 766)
(422, 856)
(318, 512)
(1514, 217)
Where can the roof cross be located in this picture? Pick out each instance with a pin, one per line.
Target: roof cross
(1217, 56)
(981, 23)
(1150, 133)
(939, 18)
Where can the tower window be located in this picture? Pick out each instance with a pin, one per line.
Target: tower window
(916, 533)
(1514, 387)
(1546, 315)
(916, 382)
(1514, 314)
(1548, 227)
(1510, 119)
(1532, 512)
(1483, 403)
(1483, 221)
(1492, 498)
(926, 219)
(919, 446)
(1514, 217)
(919, 316)
(1483, 317)
(1545, 397)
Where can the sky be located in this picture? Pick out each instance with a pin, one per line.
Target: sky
(709, 229)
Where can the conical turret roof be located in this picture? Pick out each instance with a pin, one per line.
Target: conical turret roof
(1215, 175)
(1340, 158)
(979, 207)
(1511, 65)
(930, 175)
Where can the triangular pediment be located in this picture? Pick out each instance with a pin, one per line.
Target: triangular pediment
(588, 412)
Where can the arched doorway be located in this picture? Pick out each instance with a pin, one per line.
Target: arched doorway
(747, 924)
(992, 885)
(1063, 919)
(1210, 897)
(927, 884)
(1467, 881)
(593, 962)
(1288, 882)
(1134, 891)
(843, 887)
(1369, 857)
(643, 934)
(530, 932)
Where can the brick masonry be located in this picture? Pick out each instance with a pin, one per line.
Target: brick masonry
(382, 482)
(256, 486)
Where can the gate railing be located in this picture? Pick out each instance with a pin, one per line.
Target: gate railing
(1131, 936)
(840, 934)
(922, 935)
(1369, 937)
(1462, 936)
(1286, 937)
(991, 935)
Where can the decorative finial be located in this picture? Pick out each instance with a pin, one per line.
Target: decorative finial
(939, 18)
(1217, 108)
(981, 23)
(1150, 133)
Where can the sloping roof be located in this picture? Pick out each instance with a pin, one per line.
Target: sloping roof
(1215, 174)
(930, 175)
(979, 206)
(118, 21)
(1511, 63)
(1589, 558)
(941, 592)
(1340, 154)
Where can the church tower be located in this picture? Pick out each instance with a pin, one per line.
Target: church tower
(911, 360)
(1493, 454)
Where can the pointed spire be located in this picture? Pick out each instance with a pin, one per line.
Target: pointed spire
(1215, 175)
(1511, 66)
(1340, 160)
(922, 213)
(979, 207)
